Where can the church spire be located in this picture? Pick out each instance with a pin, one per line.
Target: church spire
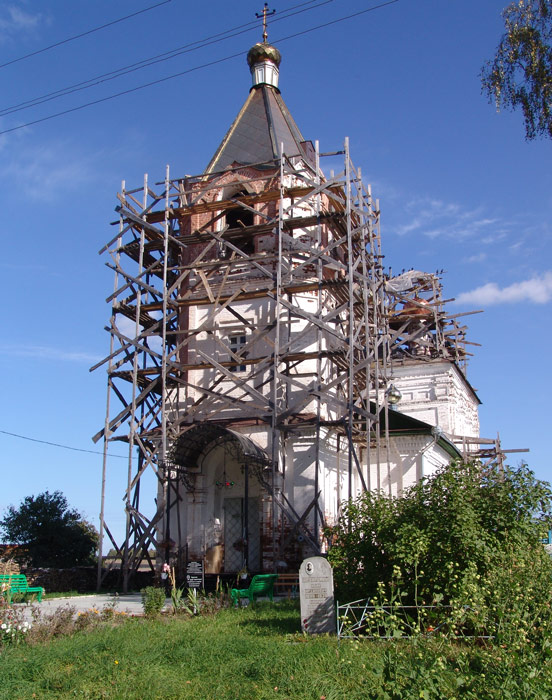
(263, 58)
(264, 124)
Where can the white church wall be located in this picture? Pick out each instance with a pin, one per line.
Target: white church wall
(213, 343)
(437, 393)
(411, 457)
(434, 459)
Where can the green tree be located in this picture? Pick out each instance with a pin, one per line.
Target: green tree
(447, 532)
(520, 75)
(50, 534)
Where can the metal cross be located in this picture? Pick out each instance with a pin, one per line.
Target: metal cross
(265, 13)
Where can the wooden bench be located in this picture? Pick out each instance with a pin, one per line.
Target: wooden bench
(18, 584)
(287, 584)
(261, 584)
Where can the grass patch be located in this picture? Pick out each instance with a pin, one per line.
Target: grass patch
(66, 594)
(257, 653)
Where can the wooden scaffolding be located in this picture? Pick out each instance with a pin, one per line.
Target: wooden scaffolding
(326, 242)
(182, 246)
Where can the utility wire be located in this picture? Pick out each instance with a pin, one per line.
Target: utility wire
(120, 94)
(191, 70)
(160, 58)
(79, 36)
(57, 444)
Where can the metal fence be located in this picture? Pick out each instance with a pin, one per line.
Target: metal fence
(362, 619)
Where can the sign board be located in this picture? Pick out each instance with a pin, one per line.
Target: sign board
(194, 574)
(316, 593)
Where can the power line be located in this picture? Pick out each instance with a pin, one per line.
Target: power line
(56, 444)
(159, 58)
(120, 94)
(191, 70)
(79, 36)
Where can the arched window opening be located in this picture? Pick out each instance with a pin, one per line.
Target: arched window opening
(240, 218)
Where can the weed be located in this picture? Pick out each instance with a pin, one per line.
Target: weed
(153, 600)
(13, 626)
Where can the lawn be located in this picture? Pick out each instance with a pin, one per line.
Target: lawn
(257, 653)
(66, 594)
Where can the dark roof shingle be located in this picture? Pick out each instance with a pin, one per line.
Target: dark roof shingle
(263, 123)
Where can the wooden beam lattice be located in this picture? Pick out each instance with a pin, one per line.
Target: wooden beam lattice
(316, 353)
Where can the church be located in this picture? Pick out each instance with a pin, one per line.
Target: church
(263, 364)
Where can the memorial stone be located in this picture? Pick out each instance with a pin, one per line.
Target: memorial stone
(316, 593)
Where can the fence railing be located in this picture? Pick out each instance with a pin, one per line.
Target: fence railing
(362, 619)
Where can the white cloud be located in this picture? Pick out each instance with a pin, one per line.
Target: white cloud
(537, 290)
(477, 258)
(127, 327)
(494, 238)
(42, 352)
(47, 172)
(14, 20)
(434, 218)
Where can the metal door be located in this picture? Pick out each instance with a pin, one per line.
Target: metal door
(234, 534)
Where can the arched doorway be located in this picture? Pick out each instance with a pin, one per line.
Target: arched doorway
(227, 500)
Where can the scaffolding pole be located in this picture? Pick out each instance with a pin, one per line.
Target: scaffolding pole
(316, 359)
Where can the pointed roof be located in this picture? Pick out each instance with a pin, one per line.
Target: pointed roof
(264, 121)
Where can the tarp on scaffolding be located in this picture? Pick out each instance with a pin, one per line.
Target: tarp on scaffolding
(408, 280)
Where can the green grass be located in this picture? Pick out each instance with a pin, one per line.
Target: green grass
(21, 598)
(66, 594)
(257, 653)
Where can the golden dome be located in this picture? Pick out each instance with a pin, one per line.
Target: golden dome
(263, 51)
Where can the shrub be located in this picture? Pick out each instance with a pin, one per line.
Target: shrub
(464, 537)
(153, 600)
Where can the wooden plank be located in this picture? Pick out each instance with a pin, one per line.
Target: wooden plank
(218, 205)
(329, 285)
(125, 413)
(206, 285)
(242, 383)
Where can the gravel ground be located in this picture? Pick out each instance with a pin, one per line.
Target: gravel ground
(130, 603)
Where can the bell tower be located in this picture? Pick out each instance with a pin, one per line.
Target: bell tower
(269, 419)
(252, 335)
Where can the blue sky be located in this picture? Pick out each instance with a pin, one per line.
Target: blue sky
(460, 190)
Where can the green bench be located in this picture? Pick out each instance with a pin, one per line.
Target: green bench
(18, 584)
(261, 584)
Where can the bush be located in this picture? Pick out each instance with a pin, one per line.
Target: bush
(464, 537)
(153, 600)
